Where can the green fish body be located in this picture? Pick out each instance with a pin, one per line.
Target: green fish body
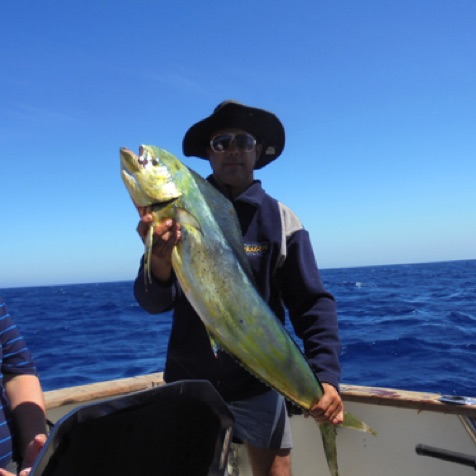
(213, 271)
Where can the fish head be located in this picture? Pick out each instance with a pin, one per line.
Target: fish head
(147, 176)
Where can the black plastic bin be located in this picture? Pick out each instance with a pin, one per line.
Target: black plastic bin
(178, 429)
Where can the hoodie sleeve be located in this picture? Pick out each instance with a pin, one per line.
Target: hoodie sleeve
(154, 297)
(312, 309)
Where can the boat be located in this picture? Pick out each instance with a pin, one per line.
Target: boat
(418, 433)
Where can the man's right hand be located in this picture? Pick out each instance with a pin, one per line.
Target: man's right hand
(166, 235)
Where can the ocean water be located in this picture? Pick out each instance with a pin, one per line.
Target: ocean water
(411, 327)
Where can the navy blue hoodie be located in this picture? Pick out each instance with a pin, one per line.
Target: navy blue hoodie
(286, 273)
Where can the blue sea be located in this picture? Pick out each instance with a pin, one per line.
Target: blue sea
(402, 326)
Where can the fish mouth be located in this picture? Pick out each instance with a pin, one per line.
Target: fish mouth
(134, 163)
(146, 177)
(129, 160)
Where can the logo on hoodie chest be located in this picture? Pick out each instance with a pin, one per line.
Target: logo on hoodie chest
(256, 249)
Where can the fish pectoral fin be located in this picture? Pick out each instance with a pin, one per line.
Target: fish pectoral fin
(187, 219)
(148, 255)
(350, 421)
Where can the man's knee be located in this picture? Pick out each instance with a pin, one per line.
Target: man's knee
(281, 464)
(270, 462)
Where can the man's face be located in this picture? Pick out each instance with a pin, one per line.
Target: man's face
(233, 154)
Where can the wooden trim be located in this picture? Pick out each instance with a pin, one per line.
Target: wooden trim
(100, 390)
(404, 399)
(350, 393)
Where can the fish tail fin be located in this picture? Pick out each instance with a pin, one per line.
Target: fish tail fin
(328, 433)
(350, 421)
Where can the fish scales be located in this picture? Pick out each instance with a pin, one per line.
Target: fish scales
(212, 268)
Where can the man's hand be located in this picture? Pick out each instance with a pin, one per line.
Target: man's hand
(166, 235)
(329, 408)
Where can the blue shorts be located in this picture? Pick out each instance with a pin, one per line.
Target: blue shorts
(262, 421)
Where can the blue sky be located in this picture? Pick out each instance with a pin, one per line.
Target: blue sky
(378, 99)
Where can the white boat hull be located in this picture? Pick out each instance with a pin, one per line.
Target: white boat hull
(402, 420)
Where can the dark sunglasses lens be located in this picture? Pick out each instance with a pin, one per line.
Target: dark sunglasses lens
(245, 142)
(221, 143)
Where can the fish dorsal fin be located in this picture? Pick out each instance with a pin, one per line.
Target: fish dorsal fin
(226, 218)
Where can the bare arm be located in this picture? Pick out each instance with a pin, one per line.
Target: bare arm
(28, 411)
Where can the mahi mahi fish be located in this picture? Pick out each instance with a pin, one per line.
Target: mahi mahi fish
(212, 268)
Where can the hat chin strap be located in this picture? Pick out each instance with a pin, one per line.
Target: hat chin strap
(259, 152)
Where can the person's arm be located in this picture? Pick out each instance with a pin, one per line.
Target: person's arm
(312, 309)
(28, 413)
(23, 391)
(31, 453)
(313, 313)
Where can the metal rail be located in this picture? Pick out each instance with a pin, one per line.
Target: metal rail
(446, 455)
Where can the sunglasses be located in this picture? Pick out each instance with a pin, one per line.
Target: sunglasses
(222, 142)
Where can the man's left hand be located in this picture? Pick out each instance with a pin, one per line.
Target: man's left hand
(329, 408)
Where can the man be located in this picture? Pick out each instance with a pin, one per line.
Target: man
(237, 140)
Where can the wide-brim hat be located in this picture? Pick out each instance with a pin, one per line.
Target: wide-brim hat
(262, 124)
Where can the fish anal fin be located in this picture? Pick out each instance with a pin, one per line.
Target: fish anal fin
(214, 345)
(350, 421)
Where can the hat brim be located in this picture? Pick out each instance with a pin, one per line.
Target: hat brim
(262, 124)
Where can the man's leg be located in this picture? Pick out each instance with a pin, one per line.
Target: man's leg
(262, 424)
(269, 462)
